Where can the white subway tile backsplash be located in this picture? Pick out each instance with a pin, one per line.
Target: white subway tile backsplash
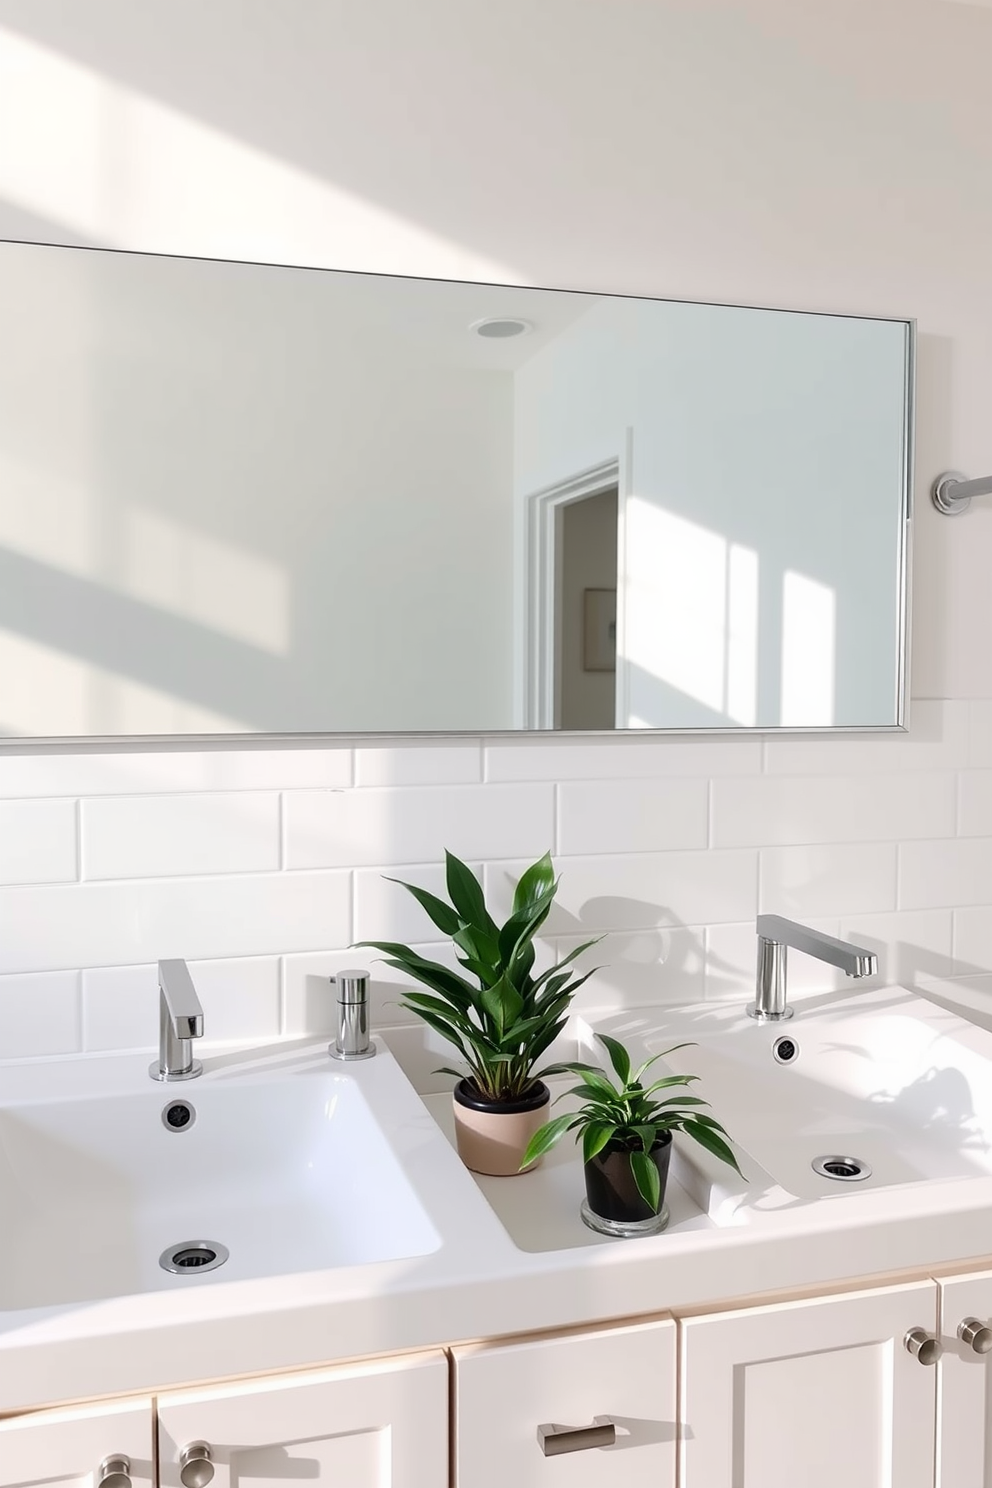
(816, 880)
(629, 816)
(795, 810)
(641, 892)
(373, 827)
(241, 1000)
(937, 739)
(980, 737)
(37, 841)
(136, 773)
(953, 872)
(634, 758)
(419, 764)
(384, 910)
(972, 941)
(909, 945)
(39, 1014)
(56, 927)
(975, 803)
(160, 836)
(637, 968)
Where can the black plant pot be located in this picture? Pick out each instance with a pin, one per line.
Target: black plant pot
(613, 1198)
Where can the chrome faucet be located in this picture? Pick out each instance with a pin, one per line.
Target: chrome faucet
(180, 1021)
(775, 934)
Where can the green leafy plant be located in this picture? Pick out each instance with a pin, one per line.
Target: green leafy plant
(504, 1018)
(630, 1117)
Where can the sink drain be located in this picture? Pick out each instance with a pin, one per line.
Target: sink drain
(194, 1255)
(841, 1169)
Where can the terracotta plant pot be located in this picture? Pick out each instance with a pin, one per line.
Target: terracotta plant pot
(612, 1194)
(493, 1138)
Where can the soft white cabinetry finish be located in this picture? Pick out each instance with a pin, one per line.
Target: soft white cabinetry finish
(820, 1393)
(964, 1391)
(504, 1392)
(65, 1448)
(379, 1425)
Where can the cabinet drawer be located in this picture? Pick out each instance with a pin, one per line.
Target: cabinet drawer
(504, 1392)
(65, 1448)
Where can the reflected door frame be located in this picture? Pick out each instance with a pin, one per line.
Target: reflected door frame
(542, 583)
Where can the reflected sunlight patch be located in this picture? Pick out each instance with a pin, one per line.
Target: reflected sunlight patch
(809, 641)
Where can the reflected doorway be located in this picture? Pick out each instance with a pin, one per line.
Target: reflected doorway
(585, 669)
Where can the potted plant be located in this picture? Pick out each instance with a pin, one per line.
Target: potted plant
(627, 1139)
(501, 1017)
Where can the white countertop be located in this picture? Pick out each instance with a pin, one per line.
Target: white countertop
(478, 1282)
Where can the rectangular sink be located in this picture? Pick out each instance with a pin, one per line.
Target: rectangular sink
(288, 1169)
(888, 1088)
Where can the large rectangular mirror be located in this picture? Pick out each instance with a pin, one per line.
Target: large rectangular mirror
(244, 499)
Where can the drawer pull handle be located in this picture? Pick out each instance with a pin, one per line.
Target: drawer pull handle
(976, 1335)
(923, 1345)
(114, 1472)
(195, 1468)
(554, 1439)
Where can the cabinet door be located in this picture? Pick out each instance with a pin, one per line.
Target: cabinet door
(65, 1448)
(820, 1393)
(964, 1385)
(382, 1425)
(624, 1376)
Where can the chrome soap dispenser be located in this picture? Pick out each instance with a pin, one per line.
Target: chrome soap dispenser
(351, 1040)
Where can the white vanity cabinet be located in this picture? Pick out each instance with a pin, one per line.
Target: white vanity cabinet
(377, 1425)
(964, 1382)
(818, 1392)
(534, 1413)
(109, 1444)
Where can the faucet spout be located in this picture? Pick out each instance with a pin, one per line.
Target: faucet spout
(775, 935)
(180, 1021)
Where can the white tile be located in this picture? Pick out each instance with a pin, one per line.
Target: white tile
(732, 957)
(240, 1001)
(621, 759)
(639, 968)
(384, 910)
(975, 803)
(972, 941)
(39, 1015)
(37, 841)
(626, 816)
(909, 946)
(419, 764)
(790, 810)
(121, 924)
(827, 880)
(367, 828)
(642, 892)
(937, 740)
(309, 996)
(136, 773)
(952, 872)
(158, 836)
(980, 719)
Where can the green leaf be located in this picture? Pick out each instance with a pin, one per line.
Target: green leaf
(465, 893)
(619, 1058)
(647, 1178)
(595, 1138)
(648, 1135)
(545, 1138)
(443, 916)
(708, 1138)
(536, 882)
(439, 978)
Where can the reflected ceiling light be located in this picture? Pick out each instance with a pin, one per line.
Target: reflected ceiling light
(499, 327)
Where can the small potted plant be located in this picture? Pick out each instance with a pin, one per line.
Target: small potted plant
(502, 1020)
(627, 1139)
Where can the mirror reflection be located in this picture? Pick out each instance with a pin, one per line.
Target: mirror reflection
(240, 499)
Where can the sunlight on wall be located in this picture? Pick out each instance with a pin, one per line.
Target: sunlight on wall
(236, 593)
(691, 611)
(809, 632)
(46, 692)
(48, 518)
(143, 175)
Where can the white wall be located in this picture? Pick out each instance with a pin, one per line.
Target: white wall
(823, 156)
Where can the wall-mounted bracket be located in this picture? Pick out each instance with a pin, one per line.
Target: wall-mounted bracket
(952, 494)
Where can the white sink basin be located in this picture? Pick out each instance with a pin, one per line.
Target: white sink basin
(882, 1077)
(291, 1164)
